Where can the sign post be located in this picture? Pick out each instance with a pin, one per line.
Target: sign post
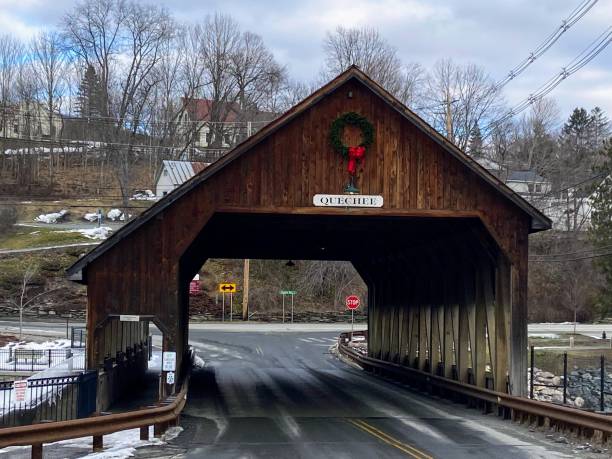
(284, 293)
(227, 287)
(352, 302)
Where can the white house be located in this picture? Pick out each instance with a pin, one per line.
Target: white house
(174, 173)
(528, 183)
(29, 121)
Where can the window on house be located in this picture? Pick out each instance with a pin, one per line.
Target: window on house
(165, 173)
(538, 188)
(16, 128)
(208, 138)
(530, 187)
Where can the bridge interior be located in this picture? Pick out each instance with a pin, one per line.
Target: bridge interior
(438, 287)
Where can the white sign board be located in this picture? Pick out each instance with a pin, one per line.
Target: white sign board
(20, 390)
(347, 200)
(129, 318)
(170, 377)
(168, 361)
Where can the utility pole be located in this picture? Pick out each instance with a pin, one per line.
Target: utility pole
(245, 290)
(449, 124)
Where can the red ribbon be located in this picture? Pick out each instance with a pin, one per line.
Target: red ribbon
(355, 154)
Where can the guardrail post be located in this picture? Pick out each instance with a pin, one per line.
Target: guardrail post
(98, 443)
(602, 377)
(37, 449)
(531, 375)
(564, 378)
(159, 429)
(144, 433)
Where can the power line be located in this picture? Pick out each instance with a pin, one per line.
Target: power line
(586, 56)
(568, 22)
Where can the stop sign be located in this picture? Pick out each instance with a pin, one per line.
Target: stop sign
(352, 302)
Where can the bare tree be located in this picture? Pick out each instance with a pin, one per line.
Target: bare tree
(22, 301)
(125, 42)
(50, 66)
(459, 98)
(367, 49)
(11, 52)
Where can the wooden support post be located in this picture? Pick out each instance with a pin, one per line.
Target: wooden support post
(98, 443)
(435, 340)
(479, 349)
(463, 348)
(413, 334)
(37, 451)
(502, 323)
(144, 433)
(424, 324)
(518, 351)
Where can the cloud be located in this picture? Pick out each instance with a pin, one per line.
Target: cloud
(496, 35)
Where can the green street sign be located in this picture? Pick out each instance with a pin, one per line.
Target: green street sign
(288, 292)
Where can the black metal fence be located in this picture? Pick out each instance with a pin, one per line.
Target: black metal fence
(17, 359)
(568, 377)
(78, 337)
(33, 401)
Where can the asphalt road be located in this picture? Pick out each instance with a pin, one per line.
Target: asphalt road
(283, 395)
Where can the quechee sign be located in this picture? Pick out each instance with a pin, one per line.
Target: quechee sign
(347, 200)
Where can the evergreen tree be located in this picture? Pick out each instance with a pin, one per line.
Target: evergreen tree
(475, 143)
(601, 226)
(600, 126)
(89, 96)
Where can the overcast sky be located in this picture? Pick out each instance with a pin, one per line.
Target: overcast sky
(495, 34)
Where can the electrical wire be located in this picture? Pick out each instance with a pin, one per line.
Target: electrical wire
(586, 56)
(578, 13)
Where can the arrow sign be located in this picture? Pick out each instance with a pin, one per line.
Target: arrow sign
(227, 288)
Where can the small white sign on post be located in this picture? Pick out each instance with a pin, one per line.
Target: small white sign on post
(128, 318)
(169, 361)
(170, 377)
(20, 390)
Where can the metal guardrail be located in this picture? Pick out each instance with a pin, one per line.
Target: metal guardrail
(161, 417)
(38, 400)
(509, 406)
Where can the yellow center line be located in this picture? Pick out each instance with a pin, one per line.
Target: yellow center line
(388, 439)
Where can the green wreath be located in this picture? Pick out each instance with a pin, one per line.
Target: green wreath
(337, 129)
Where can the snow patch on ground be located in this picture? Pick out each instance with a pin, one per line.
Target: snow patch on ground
(117, 445)
(91, 216)
(144, 195)
(114, 214)
(198, 362)
(155, 361)
(55, 344)
(94, 233)
(544, 335)
(53, 217)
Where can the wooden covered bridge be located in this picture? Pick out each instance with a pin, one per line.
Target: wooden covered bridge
(441, 243)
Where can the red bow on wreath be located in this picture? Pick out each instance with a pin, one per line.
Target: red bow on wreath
(355, 154)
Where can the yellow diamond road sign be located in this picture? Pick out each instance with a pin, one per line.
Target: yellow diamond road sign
(227, 288)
